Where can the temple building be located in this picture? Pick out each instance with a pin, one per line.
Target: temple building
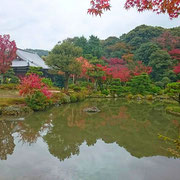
(25, 60)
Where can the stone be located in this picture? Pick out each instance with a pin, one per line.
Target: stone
(91, 109)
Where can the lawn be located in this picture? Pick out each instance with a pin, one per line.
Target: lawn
(10, 97)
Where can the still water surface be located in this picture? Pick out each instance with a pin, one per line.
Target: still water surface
(65, 143)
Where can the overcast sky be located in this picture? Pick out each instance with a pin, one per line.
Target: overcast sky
(41, 24)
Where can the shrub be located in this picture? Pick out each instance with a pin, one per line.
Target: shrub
(129, 96)
(115, 87)
(173, 90)
(38, 101)
(75, 87)
(35, 70)
(155, 89)
(80, 96)
(175, 109)
(9, 77)
(105, 91)
(31, 84)
(47, 82)
(73, 98)
(149, 97)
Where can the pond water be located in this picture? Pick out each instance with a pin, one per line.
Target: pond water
(64, 143)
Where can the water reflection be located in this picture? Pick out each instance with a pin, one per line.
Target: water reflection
(6, 139)
(133, 126)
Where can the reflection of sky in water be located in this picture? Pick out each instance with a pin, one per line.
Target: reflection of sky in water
(99, 162)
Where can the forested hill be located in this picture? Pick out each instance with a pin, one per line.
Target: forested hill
(40, 52)
(155, 47)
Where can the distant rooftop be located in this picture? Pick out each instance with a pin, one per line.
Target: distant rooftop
(26, 58)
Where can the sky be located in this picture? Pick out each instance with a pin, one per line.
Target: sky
(40, 24)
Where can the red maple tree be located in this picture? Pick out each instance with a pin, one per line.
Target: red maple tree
(140, 68)
(32, 83)
(171, 7)
(175, 54)
(119, 69)
(167, 41)
(177, 69)
(7, 53)
(85, 66)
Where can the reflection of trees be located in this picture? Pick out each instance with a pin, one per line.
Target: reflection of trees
(6, 140)
(30, 130)
(134, 126)
(27, 131)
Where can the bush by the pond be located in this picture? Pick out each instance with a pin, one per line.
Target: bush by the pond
(149, 97)
(38, 101)
(173, 90)
(60, 98)
(73, 98)
(173, 110)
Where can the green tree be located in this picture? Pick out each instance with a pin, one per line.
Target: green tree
(94, 46)
(10, 77)
(144, 52)
(63, 58)
(35, 70)
(173, 90)
(141, 34)
(142, 85)
(82, 43)
(161, 62)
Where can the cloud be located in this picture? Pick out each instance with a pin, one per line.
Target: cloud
(42, 23)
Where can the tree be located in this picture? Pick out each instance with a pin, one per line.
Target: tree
(7, 53)
(144, 52)
(82, 43)
(94, 46)
(117, 50)
(171, 7)
(141, 34)
(63, 58)
(167, 41)
(161, 62)
(173, 90)
(175, 54)
(85, 65)
(177, 69)
(141, 85)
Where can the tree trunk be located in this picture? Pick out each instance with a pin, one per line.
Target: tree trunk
(66, 81)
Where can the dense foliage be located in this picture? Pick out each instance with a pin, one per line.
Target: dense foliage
(62, 59)
(154, 51)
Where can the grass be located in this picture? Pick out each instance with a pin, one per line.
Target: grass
(9, 93)
(10, 97)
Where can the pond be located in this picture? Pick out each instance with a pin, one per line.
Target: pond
(66, 143)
